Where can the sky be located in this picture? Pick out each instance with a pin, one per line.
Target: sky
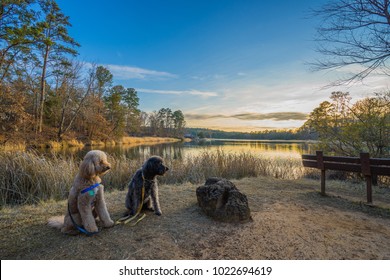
(226, 64)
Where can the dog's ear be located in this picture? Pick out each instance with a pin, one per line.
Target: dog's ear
(87, 168)
(148, 165)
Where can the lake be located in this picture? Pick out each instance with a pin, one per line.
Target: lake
(181, 150)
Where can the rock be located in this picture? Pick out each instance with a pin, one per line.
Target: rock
(220, 199)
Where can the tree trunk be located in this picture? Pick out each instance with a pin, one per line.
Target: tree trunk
(62, 120)
(43, 90)
(63, 130)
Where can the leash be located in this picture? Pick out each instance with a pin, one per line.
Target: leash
(81, 229)
(129, 218)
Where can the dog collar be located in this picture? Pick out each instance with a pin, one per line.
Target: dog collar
(144, 179)
(90, 188)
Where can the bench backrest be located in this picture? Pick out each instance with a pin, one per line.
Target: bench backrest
(363, 164)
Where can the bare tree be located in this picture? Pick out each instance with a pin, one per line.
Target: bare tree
(72, 97)
(354, 33)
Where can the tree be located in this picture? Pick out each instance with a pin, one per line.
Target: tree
(354, 33)
(14, 120)
(53, 43)
(116, 110)
(71, 96)
(104, 80)
(178, 123)
(16, 29)
(336, 125)
(165, 120)
(348, 129)
(122, 110)
(154, 123)
(373, 126)
(131, 102)
(143, 121)
(94, 114)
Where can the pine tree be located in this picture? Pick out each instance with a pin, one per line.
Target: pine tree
(53, 43)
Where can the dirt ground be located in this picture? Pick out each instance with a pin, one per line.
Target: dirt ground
(291, 221)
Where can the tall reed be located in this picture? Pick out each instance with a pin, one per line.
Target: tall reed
(28, 177)
(196, 169)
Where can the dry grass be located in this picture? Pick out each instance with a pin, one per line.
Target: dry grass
(132, 141)
(13, 147)
(146, 140)
(290, 221)
(196, 169)
(28, 177)
(73, 143)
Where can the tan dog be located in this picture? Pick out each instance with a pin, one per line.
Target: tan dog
(86, 198)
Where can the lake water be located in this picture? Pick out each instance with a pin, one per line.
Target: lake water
(181, 150)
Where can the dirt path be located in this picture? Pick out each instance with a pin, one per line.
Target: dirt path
(290, 221)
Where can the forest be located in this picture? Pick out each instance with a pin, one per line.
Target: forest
(47, 93)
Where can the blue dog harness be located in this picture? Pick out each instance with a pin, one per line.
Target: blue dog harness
(81, 229)
(90, 189)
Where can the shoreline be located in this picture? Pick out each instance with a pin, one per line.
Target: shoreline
(73, 143)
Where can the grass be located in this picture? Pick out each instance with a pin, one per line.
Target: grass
(286, 213)
(28, 177)
(13, 146)
(69, 143)
(195, 169)
(146, 140)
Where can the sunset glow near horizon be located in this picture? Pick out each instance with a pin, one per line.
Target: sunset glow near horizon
(227, 65)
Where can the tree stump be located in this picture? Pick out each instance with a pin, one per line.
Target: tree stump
(221, 200)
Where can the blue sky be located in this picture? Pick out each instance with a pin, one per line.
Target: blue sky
(231, 65)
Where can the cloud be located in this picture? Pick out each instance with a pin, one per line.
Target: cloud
(204, 116)
(180, 92)
(278, 116)
(211, 77)
(129, 72)
(241, 128)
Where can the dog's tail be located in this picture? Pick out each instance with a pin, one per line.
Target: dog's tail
(56, 222)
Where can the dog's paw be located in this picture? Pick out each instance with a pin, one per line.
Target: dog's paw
(91, 228)
(109, 224)
(158, 213)
(147, 208)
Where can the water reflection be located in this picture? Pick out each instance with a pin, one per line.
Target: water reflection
(182, 150)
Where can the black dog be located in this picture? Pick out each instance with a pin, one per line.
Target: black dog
(143, 188)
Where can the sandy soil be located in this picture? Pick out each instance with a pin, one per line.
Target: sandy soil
(291, 220)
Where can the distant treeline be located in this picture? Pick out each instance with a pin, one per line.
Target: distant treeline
(340, 126)
(291, 134)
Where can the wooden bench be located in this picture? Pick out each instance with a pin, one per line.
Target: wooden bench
(369, 167)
